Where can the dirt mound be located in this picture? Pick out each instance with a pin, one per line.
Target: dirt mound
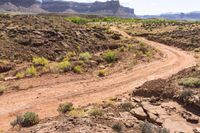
(23, 37)
(185, 39)
(172, 89)
(157, 88)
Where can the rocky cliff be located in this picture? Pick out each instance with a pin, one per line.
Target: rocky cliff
(22, 3)
(112, 7)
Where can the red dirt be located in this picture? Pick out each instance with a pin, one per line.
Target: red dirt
(44, 100)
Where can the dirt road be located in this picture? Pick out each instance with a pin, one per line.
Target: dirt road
(45, 99)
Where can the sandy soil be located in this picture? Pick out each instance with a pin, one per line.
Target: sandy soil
(44, 99)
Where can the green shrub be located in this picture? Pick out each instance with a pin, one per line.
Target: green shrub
(95, 112)
(20, 75)
(2, 89)
(190, 82)
(78, 20)
(64, 66)
(117, 127)
(40, 61)
(110, 56)
(70, 54)
(65, 107)
(31, 71)
(102, 73)
(77, 113)
(85, 56)
(27, 120)
(78, 69)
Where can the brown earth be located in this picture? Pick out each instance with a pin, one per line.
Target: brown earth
(44, 99)
(184, 39)
(23, 37)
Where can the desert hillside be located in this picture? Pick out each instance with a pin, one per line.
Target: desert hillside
(88, 73)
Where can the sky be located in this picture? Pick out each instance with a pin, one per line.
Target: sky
(152, 7)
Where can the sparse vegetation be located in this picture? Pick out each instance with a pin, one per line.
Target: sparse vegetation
(190, 82)
(197, 50)
(69, 55)
(163, 130)
(40, 61)
(20, 75)
(77, 113)
(2, 89)
(147, 127)
(185, 94)
(27, 120)
(65, 107)
(78, 20)
(64, 66)
(127, 106)
(102, 73)
(95, 112)
(118, 127)
(2, 77)
(110, 56)
(31, 71)
(78, 69)
(85, 56)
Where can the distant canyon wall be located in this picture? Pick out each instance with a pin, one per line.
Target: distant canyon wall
(112, 7)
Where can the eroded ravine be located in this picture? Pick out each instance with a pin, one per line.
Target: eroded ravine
(44, 100)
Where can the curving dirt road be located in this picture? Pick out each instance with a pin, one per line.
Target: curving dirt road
(45, 99)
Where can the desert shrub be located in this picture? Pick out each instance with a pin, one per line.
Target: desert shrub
(2, 77)
(77, 113)
(163, 130)
(40, 61)
(31, 71)
(127, 106)
(197, 50)
(20, 75)
(95, 112)
(78, 20)
(69, 55)
(85, 56)
(64, 66)
(65, 107)
(190, 82)
(117, 127)
(27, 120)
(110, 56)
(2, 89)
(185, 94)
(147, 127)
(78, 69)
(102, 73)
(109, 103)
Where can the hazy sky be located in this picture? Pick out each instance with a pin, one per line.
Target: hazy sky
(157, 6)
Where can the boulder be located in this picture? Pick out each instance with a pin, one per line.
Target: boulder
(139, 113)
(196, 130)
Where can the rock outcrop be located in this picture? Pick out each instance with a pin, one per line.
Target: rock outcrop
(110, 8)
(22, 3)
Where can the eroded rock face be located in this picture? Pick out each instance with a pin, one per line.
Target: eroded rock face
(23, 3)
(139, 113)
(190, 118)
